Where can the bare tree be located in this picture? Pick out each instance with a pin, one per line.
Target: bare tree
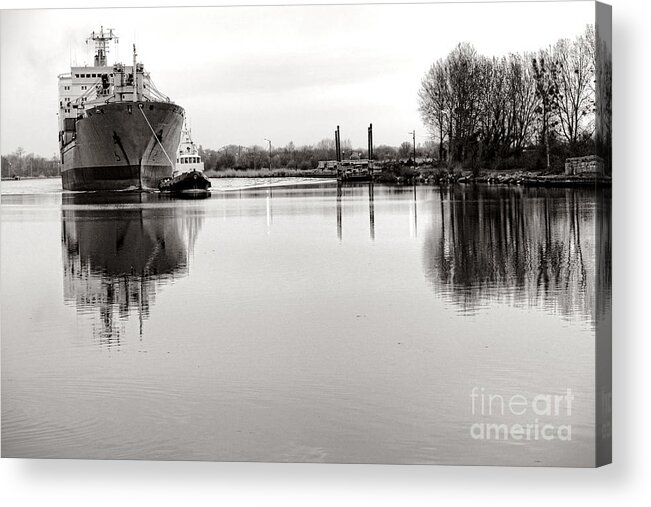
(522, 100)
(545, 72)
(604, 99)
(575, 77)
(434, 101)
(465, 93)
(493, 122)
(405, 150)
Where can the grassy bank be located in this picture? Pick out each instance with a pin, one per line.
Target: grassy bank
(431, 175)
(267, 173)
(400, 174)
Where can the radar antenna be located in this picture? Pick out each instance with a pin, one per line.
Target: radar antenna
(102, 40)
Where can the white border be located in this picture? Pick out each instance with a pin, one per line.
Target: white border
(626, 482)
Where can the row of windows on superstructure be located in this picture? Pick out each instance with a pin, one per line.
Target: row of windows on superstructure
(83, 87)
(189, 160)
(91, 75)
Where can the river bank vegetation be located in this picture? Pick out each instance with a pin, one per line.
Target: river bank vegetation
(520, 111)
(24, 165)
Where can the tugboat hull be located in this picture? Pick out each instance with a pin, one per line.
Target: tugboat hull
(190, 184)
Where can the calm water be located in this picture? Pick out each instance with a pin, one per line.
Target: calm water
(295, 323)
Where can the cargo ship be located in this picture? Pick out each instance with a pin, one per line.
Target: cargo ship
(117, 131)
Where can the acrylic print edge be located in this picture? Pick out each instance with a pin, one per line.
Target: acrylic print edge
(603, 238)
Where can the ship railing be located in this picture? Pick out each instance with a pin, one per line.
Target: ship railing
(156, 93)
(91, 88)
(116, 93)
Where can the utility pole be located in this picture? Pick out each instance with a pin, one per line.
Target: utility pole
(269, 141)
(413, 133)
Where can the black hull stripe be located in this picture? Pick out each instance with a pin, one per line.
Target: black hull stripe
(114, 177)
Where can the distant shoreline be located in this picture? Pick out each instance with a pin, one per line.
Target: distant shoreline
(21, 178)
(423, 176)
(270, 173)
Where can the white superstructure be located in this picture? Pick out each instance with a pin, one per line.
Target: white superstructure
(188, 158)
(88, 86)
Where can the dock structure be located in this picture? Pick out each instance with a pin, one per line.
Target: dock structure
(338, 144)
(370, 145)
(354, 168)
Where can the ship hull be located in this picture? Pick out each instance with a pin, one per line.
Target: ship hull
(114, 147)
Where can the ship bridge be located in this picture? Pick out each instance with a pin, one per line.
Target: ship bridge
(88, 86)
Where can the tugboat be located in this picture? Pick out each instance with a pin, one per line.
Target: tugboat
(187, 179)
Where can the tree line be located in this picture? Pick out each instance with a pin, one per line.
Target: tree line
(22, 165)
(528, 110)
(304, 157)
(307, 157)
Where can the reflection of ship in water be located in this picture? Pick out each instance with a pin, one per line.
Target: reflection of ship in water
(521, 247)
(118, 250)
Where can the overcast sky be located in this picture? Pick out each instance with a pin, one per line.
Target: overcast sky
(284, 73)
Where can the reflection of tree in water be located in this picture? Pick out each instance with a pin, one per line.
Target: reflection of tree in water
(604, 254)
(117, 251)
(532, 247)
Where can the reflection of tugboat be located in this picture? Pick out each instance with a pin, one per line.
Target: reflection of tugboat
(188, 179)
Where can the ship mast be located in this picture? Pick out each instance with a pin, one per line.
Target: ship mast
(102, 41)
(136, 95)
